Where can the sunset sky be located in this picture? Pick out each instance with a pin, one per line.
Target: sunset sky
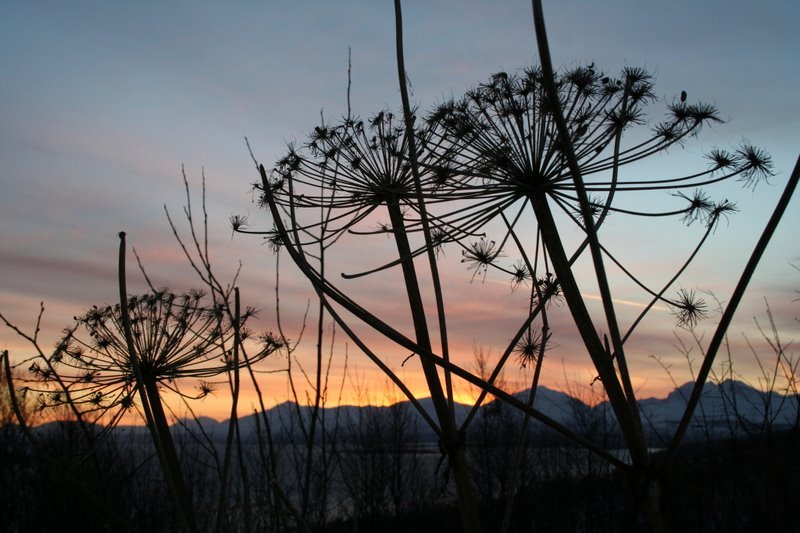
(103, 102)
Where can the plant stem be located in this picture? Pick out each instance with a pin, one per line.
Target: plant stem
(453, 444)
(625, 407)
(444, 405)
(170, 462)
(154, 411)
(730, 310)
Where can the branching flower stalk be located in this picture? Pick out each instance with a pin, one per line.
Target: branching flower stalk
(505, 135)
(752, 165)
(145, 383)
(454, 444)
(114, 354)
(334, 295)
(542, 145)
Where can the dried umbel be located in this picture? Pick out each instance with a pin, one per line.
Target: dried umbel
(506, 157)
(351, 168)
(174, 336)
(503, 135)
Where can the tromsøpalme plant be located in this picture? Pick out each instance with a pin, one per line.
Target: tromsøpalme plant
(535, 154)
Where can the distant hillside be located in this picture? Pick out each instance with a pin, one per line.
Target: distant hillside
(731, 408)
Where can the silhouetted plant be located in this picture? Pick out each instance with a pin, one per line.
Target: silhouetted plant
(175, 336)
(138, 348)
(15, 454)
(512, 152)
(494, 174)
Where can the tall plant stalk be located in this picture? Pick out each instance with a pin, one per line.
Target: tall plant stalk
(727, 316)
(535, 142)
(443, 404)
(622, 398)
(154, 410)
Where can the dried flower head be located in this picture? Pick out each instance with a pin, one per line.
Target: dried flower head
(719, 211)
(520, 274)
(479, 256)
(504, 134)
(700, 207)
(352, 167)
(754, 165)
(239, 222)
(549, 288)
(505, 145)
(528, 348)
(273, 240)
(174, 336)
(688, 308)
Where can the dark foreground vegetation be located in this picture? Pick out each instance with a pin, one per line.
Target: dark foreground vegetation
(384, 473)
(718, 486)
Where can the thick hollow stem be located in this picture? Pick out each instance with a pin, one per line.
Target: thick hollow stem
(453, 443)
(730, 310)
(629, 413)
(169, 457)
(151, 401)
(600, 357)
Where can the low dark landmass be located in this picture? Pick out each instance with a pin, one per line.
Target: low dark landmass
(380, 469)
(731, 409)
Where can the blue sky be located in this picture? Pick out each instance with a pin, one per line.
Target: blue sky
(102, 103)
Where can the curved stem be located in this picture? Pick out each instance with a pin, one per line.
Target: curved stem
(335, 295)
(455, 449)
(233, 421)
(154, 410)
(625, 407)
(423, 213)
(730, 310)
